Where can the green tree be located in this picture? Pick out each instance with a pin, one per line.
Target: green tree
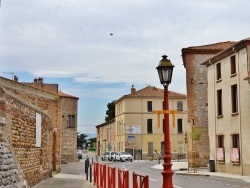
(81, 139)
(92, 142)
(110, 112)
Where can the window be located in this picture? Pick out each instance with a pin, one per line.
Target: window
(71, 121)
(233, 65)
(220, 152)
(219, 102)
(150, 148)
(150, 126)
(180, 105)
(220, 141)
(234, 97)
(179, 126)
(149, 106)
(218, 71)
(235, 141)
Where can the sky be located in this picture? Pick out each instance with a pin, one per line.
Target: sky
(69, 42)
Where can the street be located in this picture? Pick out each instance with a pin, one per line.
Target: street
(179, 181)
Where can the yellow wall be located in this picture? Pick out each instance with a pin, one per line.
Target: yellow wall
(133, 112)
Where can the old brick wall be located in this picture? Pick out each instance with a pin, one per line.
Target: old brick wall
(196, 81)
(20, 131)
(48, 102)
(10, 175)
(69, 134)
(58, 108)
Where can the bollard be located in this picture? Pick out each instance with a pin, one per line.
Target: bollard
(92, 160)
(90, 173)
(86, 165)
(87, 175)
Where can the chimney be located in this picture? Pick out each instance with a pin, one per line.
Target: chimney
(15, 78)
(40, 80)
(133, 90)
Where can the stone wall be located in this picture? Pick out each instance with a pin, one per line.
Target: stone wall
(196, 78)
(35, 163)
(69, 146)
(10, 176)
(49, 105)
(21, 103)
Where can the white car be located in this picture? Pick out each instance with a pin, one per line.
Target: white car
(105, 156)
(124, 156)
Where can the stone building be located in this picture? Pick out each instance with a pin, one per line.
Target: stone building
(196, 83)
(136, 128)
(106, 137)
(37, 132)
(229, 108)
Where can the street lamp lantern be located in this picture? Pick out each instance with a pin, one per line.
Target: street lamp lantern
(165, 70)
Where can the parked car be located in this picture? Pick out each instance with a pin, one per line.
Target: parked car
(105, 156)
(112, 156)
(124, 156)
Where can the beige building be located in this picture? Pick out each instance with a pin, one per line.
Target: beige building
(136, 128)
(105, 137)
(229, 108)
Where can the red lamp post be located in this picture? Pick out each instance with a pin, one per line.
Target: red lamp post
(165, 70)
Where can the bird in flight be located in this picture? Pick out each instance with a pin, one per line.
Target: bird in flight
(111, 34)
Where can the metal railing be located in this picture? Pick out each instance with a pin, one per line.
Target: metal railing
(105, 177)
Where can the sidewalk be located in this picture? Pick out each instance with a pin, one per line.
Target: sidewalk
(179, 168)
(72, 175)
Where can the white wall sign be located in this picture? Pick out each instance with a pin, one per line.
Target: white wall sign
(38, 130)
(133, 129)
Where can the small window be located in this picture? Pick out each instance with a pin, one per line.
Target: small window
(218, 71)
(150, 148)
(150, 106)
(149, 126)
(220, 141)
(219, 102)
(180, 105)
(235, 141)
(233, 65)
(71, 121)
(234, 97)
(179, 126)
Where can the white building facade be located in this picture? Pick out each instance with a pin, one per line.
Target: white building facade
(229, 109)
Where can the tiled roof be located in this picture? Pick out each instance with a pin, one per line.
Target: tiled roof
(206, 49)
(228, 51)
(153, 92)
(217, 46)
(61, 94)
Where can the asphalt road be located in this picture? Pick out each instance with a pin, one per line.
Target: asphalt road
(179, 181)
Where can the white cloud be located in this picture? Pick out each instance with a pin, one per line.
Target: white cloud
(71, 38)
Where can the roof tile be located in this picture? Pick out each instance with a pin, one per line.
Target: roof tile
(151, 91)
(61, 94)
(216, 46)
